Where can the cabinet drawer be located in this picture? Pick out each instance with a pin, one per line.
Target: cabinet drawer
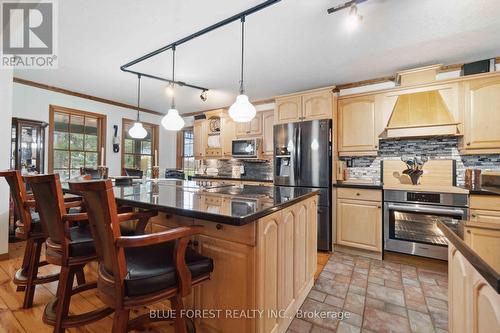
(241, 234)
(485, 202)
(359, 194)
(171, 220)
(487, 216)
(214, 152)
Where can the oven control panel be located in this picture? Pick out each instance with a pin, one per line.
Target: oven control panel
(423, 197)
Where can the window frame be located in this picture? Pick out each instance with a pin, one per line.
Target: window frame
(180, 148)
(155, 142)
(101, 133)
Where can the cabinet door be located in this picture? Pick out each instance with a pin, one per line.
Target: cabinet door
(482, 116)
(459, 281)
(485, 306)
(234, 269)
(317, 105)
(256, 125)
(288, 110)
(200, 138)
(486, 243)
(487, 216)
(268, 138)
(359, 224)
(228, 131)
(356, 130)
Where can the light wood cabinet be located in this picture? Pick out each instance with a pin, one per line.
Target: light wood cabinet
(485, 216)
(473, 305)
(312, 105)
(356, 126)
(485, 242)
(288, 109)
(267, 135)
(359, 222)
(482, 102)
(250, 129)
(228, 132)
(200, 138)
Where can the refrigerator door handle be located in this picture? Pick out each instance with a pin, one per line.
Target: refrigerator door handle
(299, 153)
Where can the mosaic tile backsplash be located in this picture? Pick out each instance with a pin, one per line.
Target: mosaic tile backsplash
(368, 168)
(258, 169)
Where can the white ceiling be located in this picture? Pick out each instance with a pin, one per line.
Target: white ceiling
(291, 46)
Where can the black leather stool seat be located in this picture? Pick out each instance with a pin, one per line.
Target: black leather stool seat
(151, 268)
(82, 243)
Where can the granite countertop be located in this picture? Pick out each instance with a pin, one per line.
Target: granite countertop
(234, 205)
(230, 177)
(352, 184)
(481, 190)
(456, 237)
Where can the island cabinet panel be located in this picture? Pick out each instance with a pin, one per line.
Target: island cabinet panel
(359, 224)
(486, 243)
(473, 305)
(231, 285)
(482, 102)
(288, 109)
(356, 126)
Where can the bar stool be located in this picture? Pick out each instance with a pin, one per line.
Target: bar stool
(135, 271)
(71, 247)
(29, 228)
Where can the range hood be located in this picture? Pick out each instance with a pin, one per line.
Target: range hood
(420, 112)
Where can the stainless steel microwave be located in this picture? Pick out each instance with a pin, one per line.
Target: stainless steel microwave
(246, 148)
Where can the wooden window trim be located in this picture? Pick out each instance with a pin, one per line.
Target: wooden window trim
(155, 141)
(101, 138)
(180, 147)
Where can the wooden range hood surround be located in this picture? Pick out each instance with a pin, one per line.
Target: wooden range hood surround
(422, 112)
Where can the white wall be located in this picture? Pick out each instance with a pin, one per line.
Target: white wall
(5, 123)
(33, 103)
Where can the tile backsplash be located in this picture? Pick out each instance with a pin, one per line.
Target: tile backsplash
(258, 169)
(368, 167)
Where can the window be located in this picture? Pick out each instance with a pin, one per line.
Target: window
(185, 154)
(75, 140)
(139, 154)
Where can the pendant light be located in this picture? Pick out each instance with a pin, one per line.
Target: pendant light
(242, 110)
(172, 121)
(137, 131)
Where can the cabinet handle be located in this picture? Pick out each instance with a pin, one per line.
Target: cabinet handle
(468, 231)
(473, 215)
(379, 207)
(358, 194)
(218, 226)
(376, 146)
(468, 143)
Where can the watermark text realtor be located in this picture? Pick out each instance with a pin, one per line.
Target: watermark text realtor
(29, 34)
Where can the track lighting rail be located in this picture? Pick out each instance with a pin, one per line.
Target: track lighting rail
(344, 5)
(239, 16)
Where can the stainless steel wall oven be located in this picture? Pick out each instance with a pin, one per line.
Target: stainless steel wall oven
(410, 221)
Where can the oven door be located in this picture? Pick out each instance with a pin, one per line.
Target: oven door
(412, 228)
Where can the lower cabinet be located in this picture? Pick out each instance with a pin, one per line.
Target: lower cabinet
(486, 243)
(473, 305)
(359, 222)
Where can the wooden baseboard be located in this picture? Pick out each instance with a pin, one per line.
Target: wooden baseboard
(4, 256)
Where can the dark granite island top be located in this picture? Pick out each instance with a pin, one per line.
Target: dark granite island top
(245, 204)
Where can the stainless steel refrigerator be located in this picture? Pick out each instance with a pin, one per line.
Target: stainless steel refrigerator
(303, 158)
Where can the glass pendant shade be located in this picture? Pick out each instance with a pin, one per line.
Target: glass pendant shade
(172, 121)
(242, 111)
(137, 131)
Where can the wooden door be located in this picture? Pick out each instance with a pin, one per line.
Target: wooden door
(482, 115)
(359, 224)
(267, 133)
(288, 109)
(459, 276)
(485, 306)
(234, 269)
(486, 243)
(317, 105)
(228, 131)
(242, 130)
(356, 128)
(200, 138)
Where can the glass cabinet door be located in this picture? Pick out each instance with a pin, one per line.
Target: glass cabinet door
(28, 145)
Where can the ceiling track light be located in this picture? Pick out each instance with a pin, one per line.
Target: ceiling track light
(137, 131)
(172, 121)
(348, 4)
(204, 95)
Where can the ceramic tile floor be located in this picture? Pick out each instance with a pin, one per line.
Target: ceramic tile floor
(377, 296)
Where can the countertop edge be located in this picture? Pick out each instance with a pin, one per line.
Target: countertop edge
(486, 271)
(360, 185)
(232, 178)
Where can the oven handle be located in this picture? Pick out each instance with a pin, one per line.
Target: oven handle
(426, 210)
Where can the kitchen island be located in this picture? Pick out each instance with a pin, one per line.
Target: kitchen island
(263, 241)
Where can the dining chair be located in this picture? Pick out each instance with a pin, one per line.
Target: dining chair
(134, 172)
(70, 247)
(135, 271)
(29, 228)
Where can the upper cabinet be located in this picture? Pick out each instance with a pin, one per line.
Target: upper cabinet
(306, 106)
(228, 127)
(482, 116)
(250, 129)
(200, 138)
(356, 126)
(267, 135)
